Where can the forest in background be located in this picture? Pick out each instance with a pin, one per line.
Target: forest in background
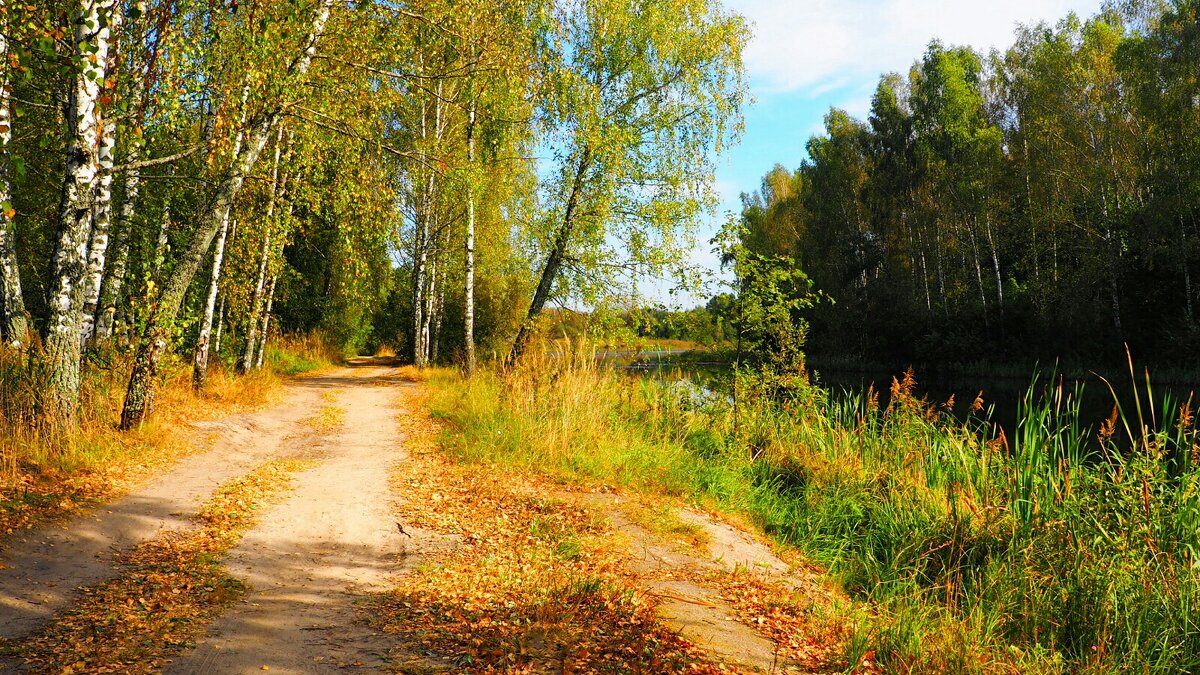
(1039, 202)
(187, 177)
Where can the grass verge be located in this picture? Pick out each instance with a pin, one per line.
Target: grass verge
(1041, 553)
(531, 584)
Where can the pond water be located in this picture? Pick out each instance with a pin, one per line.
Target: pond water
(1002, 394)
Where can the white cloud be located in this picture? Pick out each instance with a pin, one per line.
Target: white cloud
(821, 45)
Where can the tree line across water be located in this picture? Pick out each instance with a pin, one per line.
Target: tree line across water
(1040, 201)
(186, 177)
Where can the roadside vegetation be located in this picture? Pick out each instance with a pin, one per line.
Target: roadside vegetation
(49, 470)
(1058, 549)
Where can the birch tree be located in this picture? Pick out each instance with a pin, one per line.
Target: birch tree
(13, 326)
(92, 40)
(644, 95)
(257, 129)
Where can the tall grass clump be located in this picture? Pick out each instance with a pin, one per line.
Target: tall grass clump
(1051, 547)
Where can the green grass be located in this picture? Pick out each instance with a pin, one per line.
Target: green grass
(1042, 552)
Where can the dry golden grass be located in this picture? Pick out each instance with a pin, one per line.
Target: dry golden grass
(48, 471)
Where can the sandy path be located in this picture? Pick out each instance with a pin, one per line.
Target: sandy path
(40, 569)
(332, 541)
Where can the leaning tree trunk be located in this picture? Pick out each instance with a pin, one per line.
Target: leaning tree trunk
(92, 38)
(200, 358)
(558, 253)
(139, 396)
(14, 328)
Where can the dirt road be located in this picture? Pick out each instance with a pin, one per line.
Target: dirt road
(331, 543)
(332, 539)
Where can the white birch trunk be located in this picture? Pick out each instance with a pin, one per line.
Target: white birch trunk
(420, 253)
(200, 358)
(266, 325)
(114, 275)
(14, 327)
(101, 227)
(216, 349)
(469, 297)
(68, 267)
(160, 245)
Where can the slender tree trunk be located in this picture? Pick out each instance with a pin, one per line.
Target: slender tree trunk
(246, 363)
(139, 396)
(266, 325)
(216, 349)
(420, 255)
(987, 223)
(14, 327)
(423, 275)
(160, 245)
(554, 260)
(114, 276)
(978, 267)
(469, 297)
(200, 358)
(101, 213)
(430, 306)
(1035, 247)
(439, 307)
(69, 264)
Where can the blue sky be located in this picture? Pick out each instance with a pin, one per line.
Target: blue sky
(810, 55)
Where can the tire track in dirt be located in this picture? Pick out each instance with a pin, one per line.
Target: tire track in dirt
(310, 559)
(41, 569)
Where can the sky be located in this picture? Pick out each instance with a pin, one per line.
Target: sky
(810, 55)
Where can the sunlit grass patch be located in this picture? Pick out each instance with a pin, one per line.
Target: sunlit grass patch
(1040, 551)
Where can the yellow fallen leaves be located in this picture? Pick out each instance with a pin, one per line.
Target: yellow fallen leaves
(168, 590)
(799, 621)
(534, 584)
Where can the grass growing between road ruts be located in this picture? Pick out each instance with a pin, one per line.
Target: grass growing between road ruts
(169, 589)
(48, 472)
(1040, 553)
(525, 581)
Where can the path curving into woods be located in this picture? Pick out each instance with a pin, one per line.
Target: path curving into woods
(331, 543)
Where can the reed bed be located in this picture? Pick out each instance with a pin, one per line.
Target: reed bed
(1050, 548)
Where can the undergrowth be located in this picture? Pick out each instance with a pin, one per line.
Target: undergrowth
(1060, 549)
